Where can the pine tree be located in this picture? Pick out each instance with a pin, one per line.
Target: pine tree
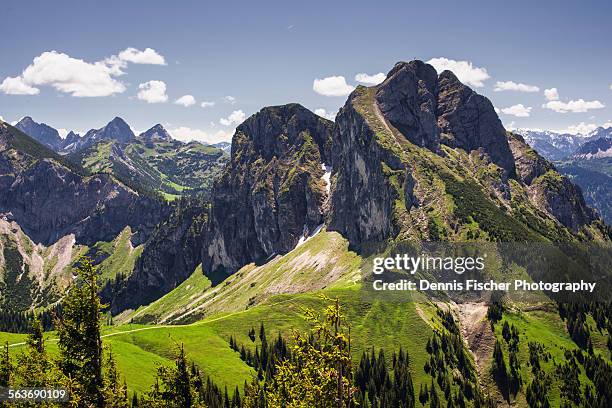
(319, 371)
(423, 394)
(79, 342)
(134, 400)
(499, 369)
(115, 392)
(174, 387)
(434, 400)
(33, 366)
(6, 367)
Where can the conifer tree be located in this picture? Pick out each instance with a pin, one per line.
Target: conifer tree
(79, 342)
(115, 392)
(434, 400)
(6, 366)
(319, 372)
(33, 366)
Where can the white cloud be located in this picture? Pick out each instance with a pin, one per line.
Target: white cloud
(496, 109)
(332, 86)
(186, 101)
(611, 87)
(75, 76)
(229, 99)
(188, 134)
(513, 86)
(2, 119)
(68, 75)
(574, 106)
(581, 128)
(148, 56)
(465, 71)
(207, 104)
(16, 86)
(324, 114)
(551, 94)
(235, 118)
(510, 126)
(607, 125)
(370, 79)
(152, 92)
(518, 110)
(63, 132)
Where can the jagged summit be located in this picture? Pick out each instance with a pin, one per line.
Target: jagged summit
(431, 109)
(51, 197)
(272, 190)
(116, 129)
(275, 129)
(422, 155)
(595, 148)
(156, 133)
(41, 132)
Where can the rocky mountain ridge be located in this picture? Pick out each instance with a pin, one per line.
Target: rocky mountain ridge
(271, 192)
(594, 149)
(51, 198)
(398, 149)
(42, 132)
(558, 146)
(151, 162)
(420, 156)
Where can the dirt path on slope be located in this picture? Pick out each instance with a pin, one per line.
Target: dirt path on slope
(476, 330)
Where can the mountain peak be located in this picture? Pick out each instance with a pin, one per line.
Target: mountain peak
(41, 132)
(282, 149)
(116, 129)
(119, 124)
(430, 110)
(275, 129)
(157, 132)
(449, 76)
(26, 119)
(595, 149)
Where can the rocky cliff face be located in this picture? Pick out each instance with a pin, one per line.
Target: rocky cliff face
(408, 99)
(549, 190)
(363, 195)
(42, 132)
(429, 109)
(421, 155)
(156, 133)
(468, 121)
(170, 255)
(49, 198)
(272, 191)
(529, 164)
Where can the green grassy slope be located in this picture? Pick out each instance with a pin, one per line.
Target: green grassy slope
(323, 261)
(545, 327)
(117, 257)
(139, 349)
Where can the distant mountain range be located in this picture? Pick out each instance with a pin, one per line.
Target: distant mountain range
(585, 158)
(151, 162)
(557, 146)
(595, 148)
(225, 146)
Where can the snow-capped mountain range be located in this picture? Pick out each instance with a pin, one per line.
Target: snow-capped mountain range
(557, 146)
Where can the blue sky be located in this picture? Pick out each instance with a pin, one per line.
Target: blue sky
(269, 53)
